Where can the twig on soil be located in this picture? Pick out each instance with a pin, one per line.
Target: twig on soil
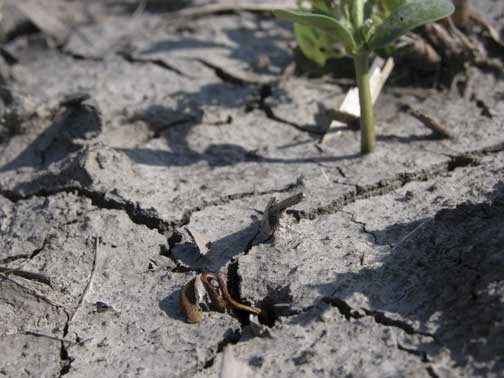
(210, 9)
(28, 275)
(464, 15)
(491, 64)
(411, 234)
(90, 279)
(430, 122)
(479, 20)
(325, 175)
(37, 334)
(34, 293)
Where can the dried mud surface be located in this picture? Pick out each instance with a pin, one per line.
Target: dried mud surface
(143, 126)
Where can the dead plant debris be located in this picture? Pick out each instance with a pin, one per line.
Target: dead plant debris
(208, 292)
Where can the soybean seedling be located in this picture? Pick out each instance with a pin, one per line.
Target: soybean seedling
(362, 26)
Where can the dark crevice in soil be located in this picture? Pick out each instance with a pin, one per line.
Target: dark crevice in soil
(276, 304)
(379, 317)
(363, 226)
(141, 217)
(22, 29)
(386, 186)
(462, 161)
(79, 57)
(67, 324)
(484, 108)
(8, 57)
(265, 91)
(30, 256)
(37, 251)
(341, 172)
(234, 281)
(432, 373)
(224, 75)
(157, 62)
(174, 239)
(66, 361)
(422, 356)
(379, 188)
(137, 215)
(186, 218)
(268, 111)
(344, 308)
(382, 319)
(418, 353)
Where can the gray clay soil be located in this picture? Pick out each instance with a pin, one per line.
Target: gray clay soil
(138, 127)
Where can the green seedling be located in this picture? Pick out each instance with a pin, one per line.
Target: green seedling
(361, 27)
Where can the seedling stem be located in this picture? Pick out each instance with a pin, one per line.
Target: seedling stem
(367, 124)
(363, 27)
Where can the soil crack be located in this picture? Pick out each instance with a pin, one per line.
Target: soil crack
(363, 226)
(157, 62)
(98, 199)
(265, 91)
(385, 186)
(379, 317)
(224, 75)
(30, 256)
(224, 200)
(66, 361)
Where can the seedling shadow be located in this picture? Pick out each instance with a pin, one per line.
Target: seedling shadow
(221, 252)
(175, 125)
(60, 139)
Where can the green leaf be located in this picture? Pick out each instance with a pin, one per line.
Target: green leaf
(407, 17)
(315, 44)
(322, 7)
(390, 5)
(324, 23)
(369, 10)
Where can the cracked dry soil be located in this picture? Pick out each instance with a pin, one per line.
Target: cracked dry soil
(142, 125)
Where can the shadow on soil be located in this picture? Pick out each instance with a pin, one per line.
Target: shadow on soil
(176, 124)
(206, 106)
(170, 306)
(220, 252)
(77, 123)
(252, 44)
(447, 275)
